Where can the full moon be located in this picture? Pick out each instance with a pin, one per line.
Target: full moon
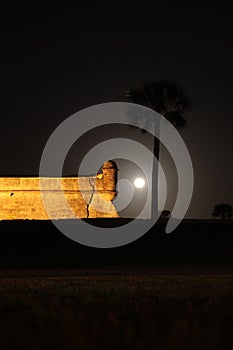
(139, 182)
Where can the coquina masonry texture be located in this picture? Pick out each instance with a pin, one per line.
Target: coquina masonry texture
(88, 197)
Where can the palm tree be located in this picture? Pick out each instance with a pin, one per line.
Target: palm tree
(167, 98)
(223, 210)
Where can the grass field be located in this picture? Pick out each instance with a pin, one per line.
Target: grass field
(115, 311)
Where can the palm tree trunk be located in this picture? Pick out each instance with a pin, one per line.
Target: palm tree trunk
(154, 194)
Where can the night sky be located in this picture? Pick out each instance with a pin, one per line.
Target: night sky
(54, 65)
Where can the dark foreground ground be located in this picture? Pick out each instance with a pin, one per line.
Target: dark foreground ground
(39, 244)
(161, 292)
(117, 311)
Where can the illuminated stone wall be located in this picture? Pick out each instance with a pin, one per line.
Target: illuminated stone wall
(87, 197)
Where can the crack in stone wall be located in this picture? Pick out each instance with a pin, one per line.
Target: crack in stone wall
(91, 197)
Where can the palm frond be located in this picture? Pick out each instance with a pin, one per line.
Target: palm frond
(165, 97)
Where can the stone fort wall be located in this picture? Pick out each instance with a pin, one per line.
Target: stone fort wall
(87, 197)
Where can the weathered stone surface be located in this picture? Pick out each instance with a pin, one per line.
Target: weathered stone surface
(87, 197)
